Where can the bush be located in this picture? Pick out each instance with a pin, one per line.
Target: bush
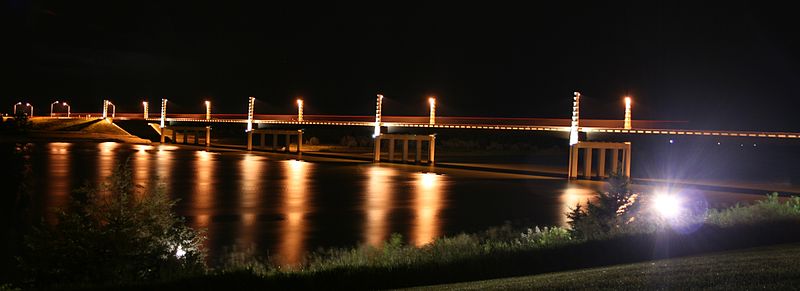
(770, 209)
(110, 234)
(545, 237)
(611, 214)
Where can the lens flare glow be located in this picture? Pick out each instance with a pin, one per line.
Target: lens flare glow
(668, 206)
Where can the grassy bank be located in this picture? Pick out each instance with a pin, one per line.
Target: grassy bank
(51, 129)
(767, 268)
(461, 259)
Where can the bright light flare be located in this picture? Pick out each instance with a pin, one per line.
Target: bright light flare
(667, 205)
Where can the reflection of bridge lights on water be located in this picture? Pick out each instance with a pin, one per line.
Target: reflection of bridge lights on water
(105, 162)
(378, 203)
(428, 201)
(251, 176)
(58, 177)
(203, 198)
(295, 205)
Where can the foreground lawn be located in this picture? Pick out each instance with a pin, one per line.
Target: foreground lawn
(768, 268)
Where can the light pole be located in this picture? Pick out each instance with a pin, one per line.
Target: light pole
(28, 104)
(208, 110)
(68, 108)
(627, 124)
(15, 108)
(379, 103)
(250, 106)
(106, 103)
(51, 107)
(146, 112)
(573, 130)
(105, 109)
(299, 109)
(163, 111)
(432, 102)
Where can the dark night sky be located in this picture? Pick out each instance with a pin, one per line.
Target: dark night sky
(732, 64)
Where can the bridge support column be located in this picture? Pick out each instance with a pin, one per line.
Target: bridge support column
(627, 159)
(432, 149)
(288, 143)
(601, 163)
(573, 162)
(275, 142)
(418, 157)
(300, 144)
(614, 160)
(250, 140)
(377, 156)
(587, 164)
(162, 134)
(208, 136)
(405, 151)
(391, 149)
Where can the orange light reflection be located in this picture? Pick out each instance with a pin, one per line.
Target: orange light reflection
(294, 207)
(378, 204)
(252, 167)
(58, 180)
(427, 204)
(105, 162)
(203, 185)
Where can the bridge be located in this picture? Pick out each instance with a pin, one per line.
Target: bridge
(573, 126)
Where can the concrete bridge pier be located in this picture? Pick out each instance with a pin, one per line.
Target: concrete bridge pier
(616, 148)
(406, 139)
(275, 134)
(185, 132)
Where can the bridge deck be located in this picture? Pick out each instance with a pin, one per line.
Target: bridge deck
(515, 124)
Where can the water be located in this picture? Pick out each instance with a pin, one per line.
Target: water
(284, 208)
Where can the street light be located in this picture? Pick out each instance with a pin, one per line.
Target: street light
(15, 108)
(250, 107)
(432, 102)
(627, 124)
(68, 108)
(378, 105)
(106, 103)
(51, 107)
(28, 104)
(146, 110)
(573, 129)
(163, 111)
(208, 110)
(299, 109)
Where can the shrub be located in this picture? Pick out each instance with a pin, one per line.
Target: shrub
(114, 233)
(545, 237)
(769, 209)
(612, 213)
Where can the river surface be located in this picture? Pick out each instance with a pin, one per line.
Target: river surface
(283, 208)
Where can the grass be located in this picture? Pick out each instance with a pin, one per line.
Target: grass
(461, 259)
(768, 268)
